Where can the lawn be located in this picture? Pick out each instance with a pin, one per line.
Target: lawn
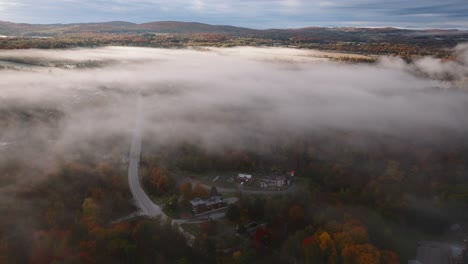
(193, 229)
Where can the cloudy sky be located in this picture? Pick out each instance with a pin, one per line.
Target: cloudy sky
(248, 13)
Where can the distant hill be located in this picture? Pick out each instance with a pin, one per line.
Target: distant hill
(190, 27)
(19, 29)
(119, 27)
(344, 34)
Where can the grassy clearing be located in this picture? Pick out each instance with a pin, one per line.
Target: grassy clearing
(193, 229)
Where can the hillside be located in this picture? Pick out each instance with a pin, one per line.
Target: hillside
(120, 27)
(175, 27)
(407, 44)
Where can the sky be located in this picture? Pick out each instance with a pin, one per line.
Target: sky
(246, 13)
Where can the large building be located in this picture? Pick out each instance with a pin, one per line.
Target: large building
(215, 201)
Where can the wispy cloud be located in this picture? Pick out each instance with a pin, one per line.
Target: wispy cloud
(5, 5)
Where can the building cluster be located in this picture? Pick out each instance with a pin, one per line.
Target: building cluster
(267, 182)
(278, 181)
(213, 202)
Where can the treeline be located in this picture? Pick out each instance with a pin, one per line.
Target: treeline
(408, 49)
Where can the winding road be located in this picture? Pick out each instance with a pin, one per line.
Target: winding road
(141, 199)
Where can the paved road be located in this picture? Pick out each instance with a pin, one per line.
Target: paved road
(142, 201)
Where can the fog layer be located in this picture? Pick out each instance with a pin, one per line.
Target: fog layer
(220, 97)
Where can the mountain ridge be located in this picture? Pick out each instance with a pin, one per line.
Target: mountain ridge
(122, 27)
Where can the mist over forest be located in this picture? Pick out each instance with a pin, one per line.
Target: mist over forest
(225, 96)
(283, 109)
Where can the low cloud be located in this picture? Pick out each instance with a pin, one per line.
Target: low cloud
(220, 97)
(433, 68)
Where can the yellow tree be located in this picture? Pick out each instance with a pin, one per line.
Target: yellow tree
(327, 248)
(319, 248)
(361, 254)
(90, 209)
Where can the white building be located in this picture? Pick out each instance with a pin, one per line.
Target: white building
(244, 178)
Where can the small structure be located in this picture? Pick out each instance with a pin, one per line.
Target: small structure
(244, 178)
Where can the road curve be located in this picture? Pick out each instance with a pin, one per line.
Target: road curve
(141, 199)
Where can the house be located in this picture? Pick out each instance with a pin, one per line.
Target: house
(278, 181)
(244, 178)
(282, 181)
(214, 202)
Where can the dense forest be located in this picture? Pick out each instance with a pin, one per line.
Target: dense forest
(395, 191)
(352, 204)
(409, 50)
